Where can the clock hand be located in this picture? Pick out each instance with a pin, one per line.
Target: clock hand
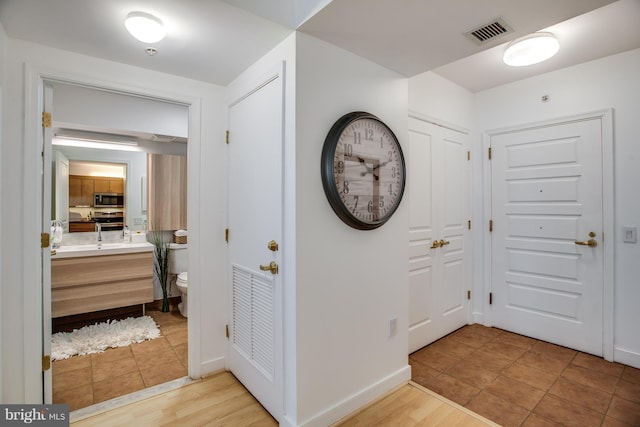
(381, 164)
(364, 163)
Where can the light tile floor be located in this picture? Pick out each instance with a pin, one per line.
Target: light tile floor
(519, 381)
(81, 381)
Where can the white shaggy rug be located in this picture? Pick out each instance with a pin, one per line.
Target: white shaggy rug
(97, 338)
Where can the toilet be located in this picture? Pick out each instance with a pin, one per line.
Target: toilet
(178, 269)
(183, 285)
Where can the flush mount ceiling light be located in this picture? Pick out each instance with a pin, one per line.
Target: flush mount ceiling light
(145, 27)
(531, 49)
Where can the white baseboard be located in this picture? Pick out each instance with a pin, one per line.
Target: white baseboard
(212, 366)
(477, 317)
(626, 357)
(359, 399)
(286, 422)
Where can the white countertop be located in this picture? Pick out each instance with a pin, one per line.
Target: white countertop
(74, 251)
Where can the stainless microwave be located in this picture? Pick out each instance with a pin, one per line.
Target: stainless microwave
(108, 200)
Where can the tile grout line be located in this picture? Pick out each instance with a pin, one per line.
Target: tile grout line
(546, 393)
(501, 373)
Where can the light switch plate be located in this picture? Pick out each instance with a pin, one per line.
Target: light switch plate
(630, 234)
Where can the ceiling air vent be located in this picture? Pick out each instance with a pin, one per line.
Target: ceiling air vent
(488, 32)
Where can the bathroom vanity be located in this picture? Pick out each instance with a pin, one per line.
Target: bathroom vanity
(88, 278)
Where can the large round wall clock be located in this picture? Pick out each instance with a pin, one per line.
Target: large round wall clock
(363, 170)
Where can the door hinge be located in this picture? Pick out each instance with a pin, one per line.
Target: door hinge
(46, 119)
(226, 330)
(489, 153)
(226, 235)
(45, 241)
(490, 298)
(226, 137)
(469, 225)
(468, 155)
(468, 294)
(46, 362)
(490, 225)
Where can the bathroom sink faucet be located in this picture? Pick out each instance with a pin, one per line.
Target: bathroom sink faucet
(99, 230)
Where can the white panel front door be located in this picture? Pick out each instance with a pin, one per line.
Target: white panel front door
(546, 200)
(255, 218)
(438, 191)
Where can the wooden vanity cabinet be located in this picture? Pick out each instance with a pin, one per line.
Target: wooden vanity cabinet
(93, 283)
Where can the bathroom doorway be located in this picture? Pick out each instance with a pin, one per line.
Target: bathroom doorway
(85, 380)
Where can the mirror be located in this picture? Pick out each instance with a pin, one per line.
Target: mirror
(130, 167)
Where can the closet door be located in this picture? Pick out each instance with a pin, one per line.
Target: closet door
(439, 267)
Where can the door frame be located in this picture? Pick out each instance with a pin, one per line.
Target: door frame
(608, 243)
(34, 78)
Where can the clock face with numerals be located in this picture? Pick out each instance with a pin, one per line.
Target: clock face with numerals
(363, 170)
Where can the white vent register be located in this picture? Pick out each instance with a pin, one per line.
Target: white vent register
(252, 332)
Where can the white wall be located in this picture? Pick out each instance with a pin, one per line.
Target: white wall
(349, 283)
(118, 112)
(20, 371)
(435, 97)
(610, 82)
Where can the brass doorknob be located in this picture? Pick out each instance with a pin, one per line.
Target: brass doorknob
(444, 242)
(272, 267)
(435, 244)
(591, 242)
(272, 246)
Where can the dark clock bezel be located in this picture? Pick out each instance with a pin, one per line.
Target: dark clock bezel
(327, 171)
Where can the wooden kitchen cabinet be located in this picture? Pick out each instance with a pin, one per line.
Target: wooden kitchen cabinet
(116, 186)
(81, 226)
(109, 185)
(101, 186)
(81, 190)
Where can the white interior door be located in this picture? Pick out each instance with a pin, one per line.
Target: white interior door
(546, 199)
(61, 200)
(47, 135)
(438, 187)
(255, 219)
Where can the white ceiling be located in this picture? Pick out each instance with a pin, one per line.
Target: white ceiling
(214, 40)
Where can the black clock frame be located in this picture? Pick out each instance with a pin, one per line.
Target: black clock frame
(328, 177)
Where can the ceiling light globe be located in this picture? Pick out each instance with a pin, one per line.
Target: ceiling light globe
(531, 49)
(145, 27)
